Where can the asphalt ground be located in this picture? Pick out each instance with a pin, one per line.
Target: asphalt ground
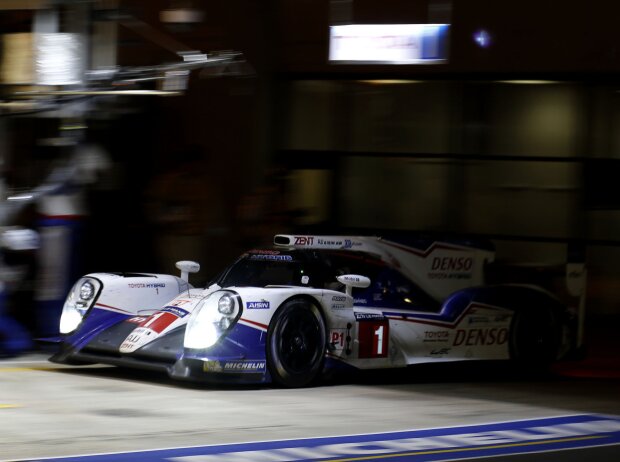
(49, 410)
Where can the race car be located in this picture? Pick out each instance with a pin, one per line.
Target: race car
(311, 304)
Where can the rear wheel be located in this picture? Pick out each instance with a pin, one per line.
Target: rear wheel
(534, 338)
(296, 343)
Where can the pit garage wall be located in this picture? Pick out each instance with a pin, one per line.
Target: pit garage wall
(493, 158)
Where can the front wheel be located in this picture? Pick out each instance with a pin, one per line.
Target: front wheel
(296, 343)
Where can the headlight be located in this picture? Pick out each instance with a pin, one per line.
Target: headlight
(80, 299)
(212, 317)
(87, 290)
(226, 305)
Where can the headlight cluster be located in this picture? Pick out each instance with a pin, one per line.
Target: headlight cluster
(78, 302)
(211, 318)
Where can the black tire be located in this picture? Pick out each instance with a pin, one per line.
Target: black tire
(534, 338)
(296, 344)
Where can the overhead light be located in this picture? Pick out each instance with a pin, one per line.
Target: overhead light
(390, 81)
(388, 43)
(482, 38)
(529, 82)
(181, 16)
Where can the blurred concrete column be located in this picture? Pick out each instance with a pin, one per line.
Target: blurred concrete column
(440, 11)
(46, 21)
(103, 51)
(340, 12)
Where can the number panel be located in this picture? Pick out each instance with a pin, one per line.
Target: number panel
(373, 338)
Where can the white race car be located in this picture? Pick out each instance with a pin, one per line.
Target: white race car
(312, 303)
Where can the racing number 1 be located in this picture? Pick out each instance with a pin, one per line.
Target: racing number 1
(373, 338)
(379, 335)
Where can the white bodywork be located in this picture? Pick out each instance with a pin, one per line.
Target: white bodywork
(362, 336)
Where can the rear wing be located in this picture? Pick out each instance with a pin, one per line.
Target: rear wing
(364, 244)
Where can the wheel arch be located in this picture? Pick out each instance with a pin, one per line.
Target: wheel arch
(278, 370)
(304, 297)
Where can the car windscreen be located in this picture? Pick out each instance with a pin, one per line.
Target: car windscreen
(265, 269)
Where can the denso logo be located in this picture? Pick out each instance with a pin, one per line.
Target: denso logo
(304, 240)
(257, 305)
(452, 263)
(473, 337)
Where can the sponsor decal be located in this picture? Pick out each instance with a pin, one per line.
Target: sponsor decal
(477, 320)
(476, 337)
(244, 366)
(330, 243)
(139, 336)
(150, 285)
(180, 312)
(180, 302)
(211, 366)
(368, 316)
(264, 252)
(136, 319)
(271, 257)
(452, 263)
(338, 306)
(351, 278)
(338, 298)
(349, 244)
(360, 301)
(304, 240)
(440, 352)
(262, 305)
(307, 241)
(451, 268)
(159, 321)
(436, 336)
(337, 338)
(150, 327)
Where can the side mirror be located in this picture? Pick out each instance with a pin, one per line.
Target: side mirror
(353, 280)
(187, 267)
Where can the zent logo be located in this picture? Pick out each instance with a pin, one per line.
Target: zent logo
(304, 240)
(257, 305)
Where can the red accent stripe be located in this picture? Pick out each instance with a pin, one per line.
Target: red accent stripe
(429, 250)
(113, 308)
(418, 321)
(258, 324)
(452, 324)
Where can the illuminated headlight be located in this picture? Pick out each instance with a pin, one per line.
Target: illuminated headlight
(78, 302)
(211, 318)
(226, 305)
(87, 290)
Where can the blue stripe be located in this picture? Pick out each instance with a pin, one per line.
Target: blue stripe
(384, 446)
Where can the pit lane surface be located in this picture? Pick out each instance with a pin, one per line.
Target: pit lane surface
(48, 410)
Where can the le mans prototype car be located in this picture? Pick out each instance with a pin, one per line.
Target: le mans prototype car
(311, 304)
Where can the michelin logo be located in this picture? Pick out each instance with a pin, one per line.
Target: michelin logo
(244, 366)
(257, 305)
